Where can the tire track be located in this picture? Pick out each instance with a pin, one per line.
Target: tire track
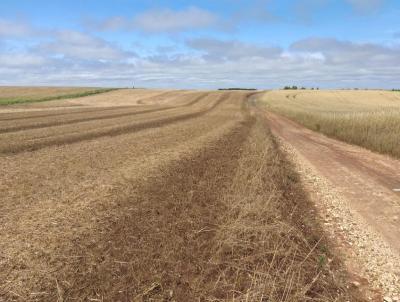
(36, 135)
(97, 118)
(65, 112)
(76, 121)
(166, 93)
(72, 111)
(69, 139)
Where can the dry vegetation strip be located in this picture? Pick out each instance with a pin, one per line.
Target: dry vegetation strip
(67, 120)
(370, 119)
(268, 244)
(57, 119)
(205, 208)
(34, 139)
(37, 92)
(48, 95)
(44, 113)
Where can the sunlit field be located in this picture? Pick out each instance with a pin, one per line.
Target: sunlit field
(370, 119)
(19, 95)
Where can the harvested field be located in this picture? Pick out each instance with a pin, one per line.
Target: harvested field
(21, 95)
(97, 98)
(177, 196)
(370, 119)
(38, 92)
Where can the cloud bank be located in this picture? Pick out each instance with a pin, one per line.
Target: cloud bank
(84, 57)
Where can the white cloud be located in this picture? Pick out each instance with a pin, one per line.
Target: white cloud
(159, 20)
(167, 20)
(77, 45)
(213, 49)
(306, 10)
(362, 55)
(21, 60)
(19, 28)
(319, 62)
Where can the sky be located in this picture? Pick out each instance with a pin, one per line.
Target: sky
(201, 44)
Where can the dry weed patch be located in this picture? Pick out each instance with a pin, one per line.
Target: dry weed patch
(269, 246)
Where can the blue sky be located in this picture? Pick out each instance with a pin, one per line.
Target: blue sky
(201, 44)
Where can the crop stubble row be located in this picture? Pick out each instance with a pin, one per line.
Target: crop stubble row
(135, 215)
(39, 224)
(72, 132)
(57, 119)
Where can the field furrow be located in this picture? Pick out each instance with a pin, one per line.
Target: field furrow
(55, 112)
(72, 118)
(39, 138)
(96, 117)
(113, 100)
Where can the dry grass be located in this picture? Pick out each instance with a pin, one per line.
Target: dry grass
(43, 119)
(204, 208)
(269, 246)
(370, 119)
(34, 138)
(130, 97)
(20, 95)
(38, 92)
(93, 100)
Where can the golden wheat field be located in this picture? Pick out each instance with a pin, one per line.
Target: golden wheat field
(370, 119)
(135, 195)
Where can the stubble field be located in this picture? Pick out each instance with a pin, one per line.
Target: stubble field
(155, 196)
(10, 95)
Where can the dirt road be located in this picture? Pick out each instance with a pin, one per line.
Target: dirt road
(368, 182)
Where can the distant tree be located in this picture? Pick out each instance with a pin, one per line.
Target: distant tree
(303, 88)
(294, 87)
